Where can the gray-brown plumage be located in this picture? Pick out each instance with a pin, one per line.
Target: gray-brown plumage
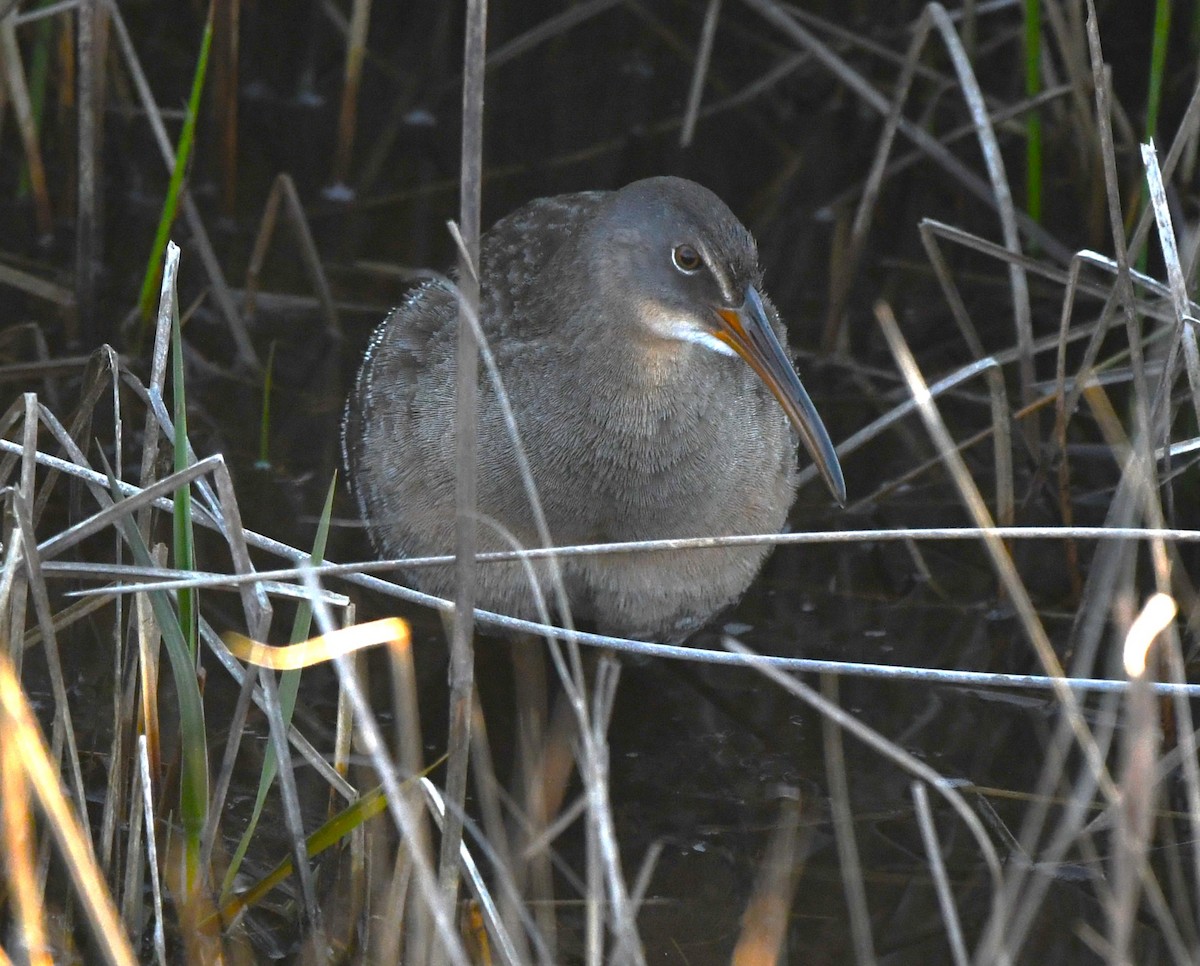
(622, 324)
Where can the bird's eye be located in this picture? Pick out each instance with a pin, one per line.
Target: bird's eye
(686, 259)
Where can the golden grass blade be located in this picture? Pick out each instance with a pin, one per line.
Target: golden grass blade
(319, 649)
(22, 878)
(25, 740)
(765, 921)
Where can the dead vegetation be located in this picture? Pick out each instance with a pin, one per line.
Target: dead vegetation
(1021, 444)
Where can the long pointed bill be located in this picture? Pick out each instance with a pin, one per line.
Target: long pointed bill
(747, 331)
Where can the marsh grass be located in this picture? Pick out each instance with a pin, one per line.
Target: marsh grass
(360, 845)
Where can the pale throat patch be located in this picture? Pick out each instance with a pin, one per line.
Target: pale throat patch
(684, 330)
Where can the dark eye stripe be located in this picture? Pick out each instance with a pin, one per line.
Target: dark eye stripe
(686, 259)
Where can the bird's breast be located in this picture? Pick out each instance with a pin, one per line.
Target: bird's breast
(624, 464)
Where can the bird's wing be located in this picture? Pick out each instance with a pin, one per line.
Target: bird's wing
(516, 251)
(398, 434)
(391, 434)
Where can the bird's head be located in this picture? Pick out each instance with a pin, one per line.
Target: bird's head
(686, 271)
